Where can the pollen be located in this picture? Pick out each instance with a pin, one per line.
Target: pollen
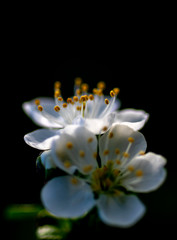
(112, 94)
(75, 98)
(90, 140)
(74, 180)
(106, 152)
(141, 153)
(105, 128)
(81, 153)
(106, 101)
(57, 108)
(116, 90)
(84, 87)
(87, 168)
(57, 84)
(65, 105)
(126, 155)
(95, 155)
(131, 140)
(139, 173)
(78, 108)
(111, 134)
(130, 168)
(60, 99)
(117, 151)
(57, 93)
(67, 164)
(37, 102)
(69, 145)
(118, 162)
(69, 100)
(78, 81)
(78, 92)
(101, 85)
(82, 99)
(40, 108)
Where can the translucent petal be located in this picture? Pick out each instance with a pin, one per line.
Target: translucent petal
(152, 174)
(120, 211)
(47, 160)
(67, 197)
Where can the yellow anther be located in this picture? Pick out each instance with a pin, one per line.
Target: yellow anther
(139, 173)
(74, 180)
(116, 90)
(81, 153)
(106, 152)
(60, 99)
(40, 108)
(106, 101)
(118, 161)
(130, 139)
(131, 168)
(111, 134)
(78, 92)
(116, 172)
(57, 93)
(69, 145)
(110, 163)
(141, 153)
(105, 128)
(95, 155)
(57, 108)
(101, 85)
(69, 100)
(86, 98)
(91, 97)
(99, 92)
(84, 87)
(87, 168)
(78, 108)
(67, 164)
(117, 151)
(108, 182)
(90, 140)
(112, 94)
(126, 155)
(65, 105)
(37, 102)
(78, 81)
(82, 99)
(57, 84)
(95, 90)
(75, 98)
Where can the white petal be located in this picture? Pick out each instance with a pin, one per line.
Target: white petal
(48, 104)
(132, 118)
(66, 198)
(76, 149)
(42, 138)
(122, 211)
(119, 141)
(47, 160)
(153, 173)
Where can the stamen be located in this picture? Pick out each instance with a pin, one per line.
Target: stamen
(139, 173)
(57, 93)
(78, 92)
(57, 108)
(141, 153)
(126, 154)
(74, 180)
(57, 85)
(78, 108)
(95, 155)
(84, 87)
(105, 128)
(37, 102)
(78, 81)
(117, 151)
(116, 90)
(91, 97)
(101, 85)
(90, 140)
(111, 134)
(131, 140)
(75, 98)
(69, 145)
(67, 164)
(69, 100)
(131, 168)
(60, 99)
(118, 161)
(87, 168)
(112, 94)
(106, 152)
(65, 105)
(81, 153)
(40, 108)
(106, 101)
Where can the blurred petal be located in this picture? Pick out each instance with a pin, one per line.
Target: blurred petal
(132, 118)
(148, 173)
(67, 197)
(120, 211)
(42, 138)
(76, 149)
(44, 121)
(47, 160)
(116, 143)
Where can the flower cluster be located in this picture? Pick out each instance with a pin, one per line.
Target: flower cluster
(101, 151)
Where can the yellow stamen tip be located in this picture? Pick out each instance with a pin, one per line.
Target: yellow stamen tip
(67, 164)
(130, 139)
(69, 145)
(95, 155)
(37, 102)
(141, 153)
(60, 99)
(57, 108)
(139, 173)
(57, 93)
(116, 90)
(126, 155)
(112, 94)
(75, 98)
(40, 108)
(90, 140)
(101, 85)
(106, 101)
(106, 152)
(87, 168)
(105, 128)
(131, 168)
(81, 153)
(118, 161)
(78, 81)
(65, 105)
(74, 180)
(111, 134)
(69, 100)
(91, 97)
(117, 151)
(84, 87)
(57, 84)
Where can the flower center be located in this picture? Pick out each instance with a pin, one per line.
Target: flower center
(105, 180)
(87, 105)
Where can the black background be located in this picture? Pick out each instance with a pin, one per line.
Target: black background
(141, 66)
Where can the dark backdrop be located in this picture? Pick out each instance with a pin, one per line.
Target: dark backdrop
(144, 75)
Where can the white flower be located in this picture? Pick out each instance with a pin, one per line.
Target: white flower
(100, 182)
(94, 111)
